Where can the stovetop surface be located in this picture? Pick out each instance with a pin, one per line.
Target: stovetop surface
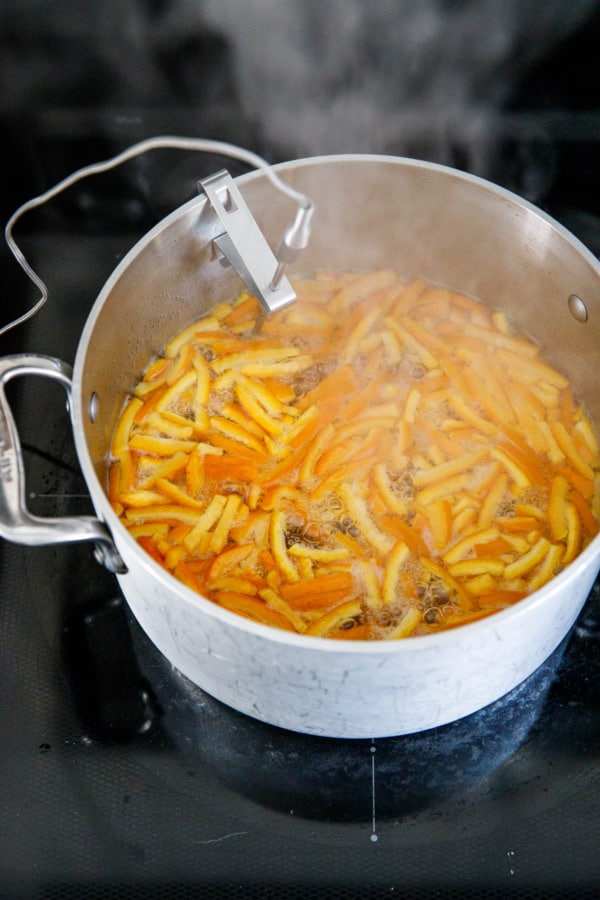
(119, 778)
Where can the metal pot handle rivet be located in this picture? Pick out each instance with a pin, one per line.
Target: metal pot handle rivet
(577, 308)
(94, 407)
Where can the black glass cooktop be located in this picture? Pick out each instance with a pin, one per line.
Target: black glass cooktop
(118, 777)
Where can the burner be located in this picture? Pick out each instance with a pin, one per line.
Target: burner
(342, 780)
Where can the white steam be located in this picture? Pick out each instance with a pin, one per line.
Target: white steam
(323, 76)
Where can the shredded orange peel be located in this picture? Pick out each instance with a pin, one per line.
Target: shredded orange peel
(382, 459)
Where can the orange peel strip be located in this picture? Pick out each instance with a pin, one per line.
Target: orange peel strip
(318, 592)
(528, 561)
(276, 602)
(569, 448)
(252, 398)
(278, 546)
(396, 559)
(465, 545)
(407, 624)
(358, 511)
(251, 608)
(465, 463)
(202, 525)
(207, 323)
(574, 534)
(334, 618)
(228, 515)
(140, 498)
(392, 499)
(169, 512)
(439, 518)
(490, 565)
(229, 468)
(120, 441)
(319, 554)
(549, 567)
(557, 507)
(160, 446)
(177, 495)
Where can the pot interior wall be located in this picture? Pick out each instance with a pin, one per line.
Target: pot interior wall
(371, 212)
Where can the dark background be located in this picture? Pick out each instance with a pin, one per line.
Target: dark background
(118, 779)
(503, 88)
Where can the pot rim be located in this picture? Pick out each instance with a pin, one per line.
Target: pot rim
(415, 644)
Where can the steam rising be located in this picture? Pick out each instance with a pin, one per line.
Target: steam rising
(287, 78)
(417, 77)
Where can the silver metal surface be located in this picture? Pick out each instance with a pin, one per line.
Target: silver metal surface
(17, 524)
(244, 246)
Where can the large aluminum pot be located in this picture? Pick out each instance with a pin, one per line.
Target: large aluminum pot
(371, 211)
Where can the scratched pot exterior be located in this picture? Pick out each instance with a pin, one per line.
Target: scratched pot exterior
(372, 212)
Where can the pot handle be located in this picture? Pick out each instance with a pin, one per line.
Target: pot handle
(17, 524)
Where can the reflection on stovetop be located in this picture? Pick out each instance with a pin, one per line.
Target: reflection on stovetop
(127, 689)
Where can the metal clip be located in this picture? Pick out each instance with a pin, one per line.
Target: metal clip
(244, 245)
